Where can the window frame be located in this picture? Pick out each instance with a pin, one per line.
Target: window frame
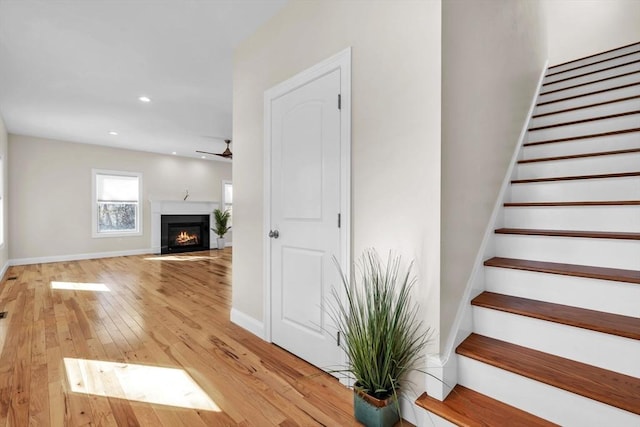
(224, 202)
(94, 204)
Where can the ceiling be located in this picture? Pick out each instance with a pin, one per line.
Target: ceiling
(74, 70)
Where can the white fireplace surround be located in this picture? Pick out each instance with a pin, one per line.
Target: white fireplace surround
(179, 207)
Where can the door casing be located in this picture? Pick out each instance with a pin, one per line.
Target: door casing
(341, 61)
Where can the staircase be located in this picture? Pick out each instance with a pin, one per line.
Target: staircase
(557, 330)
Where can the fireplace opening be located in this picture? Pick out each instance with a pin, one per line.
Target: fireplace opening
(184, 233)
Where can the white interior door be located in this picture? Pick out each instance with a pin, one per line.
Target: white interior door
(305, 208)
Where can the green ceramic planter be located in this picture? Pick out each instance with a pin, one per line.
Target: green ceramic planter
(374, 412)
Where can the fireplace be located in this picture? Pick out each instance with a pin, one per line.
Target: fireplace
(184, 233)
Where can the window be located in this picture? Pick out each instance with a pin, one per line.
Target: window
(227, 199)
(116, 203)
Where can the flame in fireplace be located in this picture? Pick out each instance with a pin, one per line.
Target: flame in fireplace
(185, 238)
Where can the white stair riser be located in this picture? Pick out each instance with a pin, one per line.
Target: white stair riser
(593, 68)
(587, 100)
(578, 190)
(564, 82)
(605, 351)
(429, 419)
(594, 218)
(553, 404)
(594, 348)
(621, 141)
(612, 253)
(582, 64)
(589, 88)
(587, 128)
(622, 298)
(587, 113)
(581, 166)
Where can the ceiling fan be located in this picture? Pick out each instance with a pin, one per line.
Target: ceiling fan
(227, 154)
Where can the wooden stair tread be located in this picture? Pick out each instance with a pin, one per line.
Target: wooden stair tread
(612, 388)
(576, 177)
(604, 79)
(579, 203)
(591, 119)
(570, 233)
(579, 137)
(582, 107)
(607, 323)
(587, 271)
(609, 89)
(592, 56)
(468, 408)
(580, 156)
(594, 72)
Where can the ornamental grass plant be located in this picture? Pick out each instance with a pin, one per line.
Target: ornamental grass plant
(383, 336)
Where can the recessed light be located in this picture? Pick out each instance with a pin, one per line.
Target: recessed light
(113, 132)
(174, 153)
(144, 99)
(203, 157)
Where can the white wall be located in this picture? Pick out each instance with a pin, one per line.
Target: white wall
(395, 130)
(493, 52)
(4, 249)
(582, 28)
(50, 192)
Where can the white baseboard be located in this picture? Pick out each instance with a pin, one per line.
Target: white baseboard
(77, 257)
(441, 376)
(247, 322)
(408, 409)
(429, 419)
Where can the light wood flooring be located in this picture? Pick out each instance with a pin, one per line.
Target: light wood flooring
(150, 344)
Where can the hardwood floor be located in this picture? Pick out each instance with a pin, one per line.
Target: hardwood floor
(103, 356)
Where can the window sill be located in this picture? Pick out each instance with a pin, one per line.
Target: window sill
(115, 234)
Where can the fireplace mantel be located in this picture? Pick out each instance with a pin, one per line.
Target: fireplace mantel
(179, 207)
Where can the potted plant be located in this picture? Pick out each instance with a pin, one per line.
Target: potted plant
(383, 336)
(221, 228)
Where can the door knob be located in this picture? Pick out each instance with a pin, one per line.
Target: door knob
(274, 234)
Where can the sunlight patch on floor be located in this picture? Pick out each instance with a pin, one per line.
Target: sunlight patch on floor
(80, 286)
(150, 384)
(179, 258)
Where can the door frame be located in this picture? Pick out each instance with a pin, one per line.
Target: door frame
(340, 61)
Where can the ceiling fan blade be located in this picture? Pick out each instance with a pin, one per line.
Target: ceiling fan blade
(227, 154)
(221, 138)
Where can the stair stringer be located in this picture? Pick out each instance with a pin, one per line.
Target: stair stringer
(442, 368)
